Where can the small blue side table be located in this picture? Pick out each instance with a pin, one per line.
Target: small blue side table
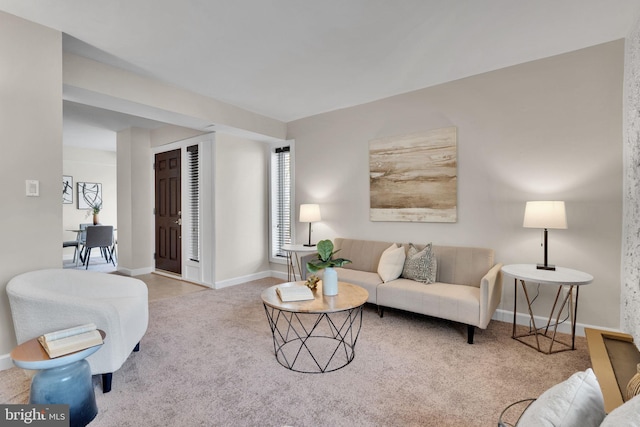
(62, 380)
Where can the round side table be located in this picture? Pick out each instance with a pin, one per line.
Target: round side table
(292, 253)
(560, 277)
(61, 380)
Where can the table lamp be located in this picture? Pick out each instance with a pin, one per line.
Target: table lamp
(545, 215)
(309, 213)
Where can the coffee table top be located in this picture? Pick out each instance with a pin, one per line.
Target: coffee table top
(349, 296)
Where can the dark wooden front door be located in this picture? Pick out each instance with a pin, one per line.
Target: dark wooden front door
(168, 212)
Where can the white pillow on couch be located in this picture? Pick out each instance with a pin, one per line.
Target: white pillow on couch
(575, 402)
(391, 263)
(627, 415)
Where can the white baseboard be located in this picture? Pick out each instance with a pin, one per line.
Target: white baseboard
(243, 279)
(5, 362)
(564, 327)
(135, 271)
(279, 275)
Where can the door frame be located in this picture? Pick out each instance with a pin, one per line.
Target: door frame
(202, 271)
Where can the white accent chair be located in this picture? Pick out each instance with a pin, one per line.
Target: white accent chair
(48, 300)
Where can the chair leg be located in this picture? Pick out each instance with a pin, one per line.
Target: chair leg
(114, 255)
(106, 382)
(137, 347)
(87, 258)
(109, 255)
(470, 331)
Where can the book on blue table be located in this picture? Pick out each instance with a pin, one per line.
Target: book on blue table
(66, 341)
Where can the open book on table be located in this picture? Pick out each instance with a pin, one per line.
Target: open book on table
(70, 340)
(294, 293)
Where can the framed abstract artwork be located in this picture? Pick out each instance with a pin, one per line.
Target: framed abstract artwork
(67, 189)
(414, 177)
(89, 195)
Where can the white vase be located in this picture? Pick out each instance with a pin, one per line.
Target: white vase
(330, 282)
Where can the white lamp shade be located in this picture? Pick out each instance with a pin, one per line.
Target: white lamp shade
(309, 213)
(545, 214)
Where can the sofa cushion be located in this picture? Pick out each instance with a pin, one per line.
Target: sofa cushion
(365, 279)
(420, 265)
(624, 415)
(459, 303)
(364, 254)
(462, 265)
(391, 263)
(576, 401)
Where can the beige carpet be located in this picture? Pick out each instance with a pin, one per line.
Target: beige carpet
(207, 360)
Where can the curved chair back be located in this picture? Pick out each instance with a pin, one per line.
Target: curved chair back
(99, 236)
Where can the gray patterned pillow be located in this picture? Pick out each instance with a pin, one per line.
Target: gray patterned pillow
(420, 265)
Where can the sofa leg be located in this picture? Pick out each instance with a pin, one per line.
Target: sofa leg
(380, 311)
(106, 382)
(470, 330)
(137, 347)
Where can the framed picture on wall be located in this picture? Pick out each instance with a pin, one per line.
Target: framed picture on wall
(67, 189)
(89, 195)
(414, 177)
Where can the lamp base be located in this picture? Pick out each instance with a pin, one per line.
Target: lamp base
(309, 245)
(546, 267)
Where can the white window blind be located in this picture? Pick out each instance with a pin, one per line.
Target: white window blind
(280, 200)
(193, 163)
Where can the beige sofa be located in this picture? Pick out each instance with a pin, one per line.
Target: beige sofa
(468, 283)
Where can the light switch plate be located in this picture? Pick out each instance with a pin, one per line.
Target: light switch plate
(33, 188)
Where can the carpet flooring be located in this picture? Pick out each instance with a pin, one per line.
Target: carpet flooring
(207, 360)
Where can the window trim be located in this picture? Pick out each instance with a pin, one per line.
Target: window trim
(272, 148)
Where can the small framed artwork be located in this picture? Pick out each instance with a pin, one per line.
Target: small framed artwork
(89, 195)
(67, 189)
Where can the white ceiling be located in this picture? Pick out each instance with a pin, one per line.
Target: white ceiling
(289, 59)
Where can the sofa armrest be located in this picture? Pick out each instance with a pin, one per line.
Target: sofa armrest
(490, 294)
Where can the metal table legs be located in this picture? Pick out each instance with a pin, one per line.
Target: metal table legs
(314, 342)
(567, 301)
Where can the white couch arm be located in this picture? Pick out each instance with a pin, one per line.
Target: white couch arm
(490, 294)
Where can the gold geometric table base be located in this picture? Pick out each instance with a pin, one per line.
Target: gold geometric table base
(536, 332)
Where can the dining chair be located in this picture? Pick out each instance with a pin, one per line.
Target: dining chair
(73, 244)
(82, 238)
(99, 236)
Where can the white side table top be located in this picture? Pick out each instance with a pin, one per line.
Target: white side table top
(299, 248)
(559, 276)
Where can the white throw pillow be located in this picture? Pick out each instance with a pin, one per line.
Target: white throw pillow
(391, 263)
(627, 415)
(576, 402)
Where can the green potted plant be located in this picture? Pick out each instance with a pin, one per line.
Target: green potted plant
(326, 262)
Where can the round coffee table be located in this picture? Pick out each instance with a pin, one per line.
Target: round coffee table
(61, 380)
(319, 335)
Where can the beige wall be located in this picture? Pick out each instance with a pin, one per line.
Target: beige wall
(89, 166)
(241, 207)
(31, 124)
(549, 129)
(135, 201)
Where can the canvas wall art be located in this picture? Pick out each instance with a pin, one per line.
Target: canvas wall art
(67, 189)
(89, 195)
(414, 177)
